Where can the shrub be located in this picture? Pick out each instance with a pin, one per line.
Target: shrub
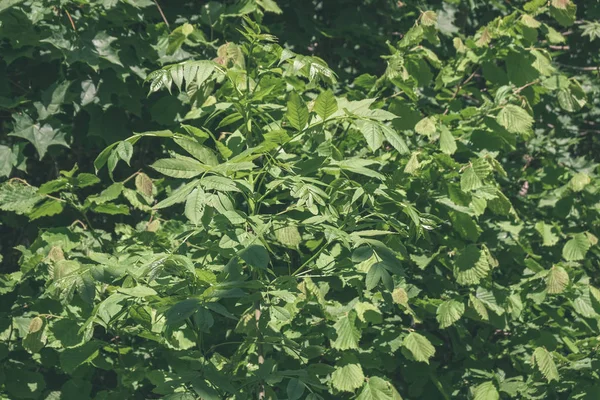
(275, 230)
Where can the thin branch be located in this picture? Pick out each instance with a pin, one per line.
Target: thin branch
(261, 357)
(458, 89)
(80, 224)
(132, 176)
(23, 181)
(592, 68)
(92, 230)
(70, 19)
(162, 14)
(520, 89)
(259, 346)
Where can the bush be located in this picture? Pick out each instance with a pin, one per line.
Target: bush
(270, 222)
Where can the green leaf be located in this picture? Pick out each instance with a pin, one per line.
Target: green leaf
(138, 291)
(372, 134)
(500, 205)
(471, 266)
(18, 197)
(6, 4)
(579, 181)
(21, 383)
(181, 311)
(564, 12)
(548, 237)
(543, 360)
(426, 126)
(52, 100)
(576, 248)
(219, 183)
(111, 209)
(85, 180)
(36, 338)
(420, 347)
(295, 389)
(394, 139)
(180, 396)
(479, 307)
(198, 151)
(377, 389)
(515, 119)
(413, 164)
(368, 312)
(529, 21)
(256, 256)
(46, 209)
(534, 5)
(103, 157)
(568, 101)
(557, 280)
(110, 193)
(469, 180)
(203, 390)
(486, 391)
(73, 357)
(325, 104)
(447, 141)
(429, 18)
(297, 111)
(465, 226)
(179, 168)
(586, 304)
(554, 36)
(449, 312)
(125, 151)
(269, 6)
(349, 376)
(6, 157)
(41, 136)
(288, 236)
(178, 195)
(378, 272)
(194, 205)
(358, 166)
(347, 334)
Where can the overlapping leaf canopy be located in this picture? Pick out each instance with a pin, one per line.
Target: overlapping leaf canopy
(208, 202)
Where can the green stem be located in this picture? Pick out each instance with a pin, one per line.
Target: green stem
(311, 259)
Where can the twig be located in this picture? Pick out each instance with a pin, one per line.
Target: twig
(311, 259)
(593, 68)
(23, 181)
(80, 224)
(17, 85)
(92, 230)
(259, 349)
(70, 19)
(520, 89)
(132, 176)
(459, 87)
(55, 198)
(162, 14)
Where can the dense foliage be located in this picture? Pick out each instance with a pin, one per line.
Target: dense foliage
(253, 199)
